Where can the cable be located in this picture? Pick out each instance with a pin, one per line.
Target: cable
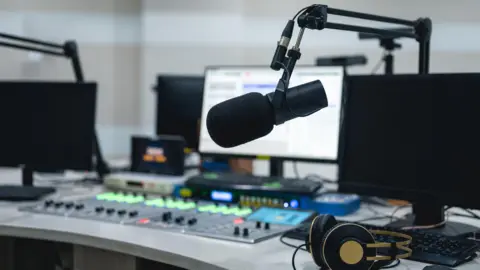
(392, 265)
(295, 169)
(295, 253)
(305, 9)
(379, 63)
(392, 216)
(282, 240)
(317, 177)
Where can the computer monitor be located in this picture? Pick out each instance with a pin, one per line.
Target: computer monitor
(45, 126)
(313, 138)
(179, 106)
(414, 138)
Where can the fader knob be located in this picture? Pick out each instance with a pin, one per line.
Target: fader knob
(133, 213)
(192, 221)
(166, 216)
(58, 204)
(245, 231)
(236, 230)
(99, 209)
(69, 205)
(179, 219)
(267, 226)
(258, 225)
(121, 212)
(48, 203)
(79, 206)
(110, 210)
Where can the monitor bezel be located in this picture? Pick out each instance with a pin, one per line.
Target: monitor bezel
(413, 196)
(205, 154)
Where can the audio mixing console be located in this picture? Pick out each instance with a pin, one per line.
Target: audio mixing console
(202, 218)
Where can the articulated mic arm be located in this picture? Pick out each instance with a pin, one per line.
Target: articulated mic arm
(69, 50)
(315, 17)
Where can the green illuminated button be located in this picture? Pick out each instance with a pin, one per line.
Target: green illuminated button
(232, 210)
(155, 202)
(132, 199)
(104, 196)
(206, 208)
(222, 209)
(244, 212)
(273, 185)
(171, 203)
(210, 176)
(186, 205)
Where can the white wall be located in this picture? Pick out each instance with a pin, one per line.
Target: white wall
(184, 36)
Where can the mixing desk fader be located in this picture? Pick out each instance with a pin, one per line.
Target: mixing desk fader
(202, 218)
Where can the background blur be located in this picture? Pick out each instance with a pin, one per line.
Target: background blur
(124, 44)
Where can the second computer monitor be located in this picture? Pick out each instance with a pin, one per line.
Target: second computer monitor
(179, 106)
(310, 138)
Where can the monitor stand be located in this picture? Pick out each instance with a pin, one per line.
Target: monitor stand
(428, 214)
(25, 192)
(276, 167)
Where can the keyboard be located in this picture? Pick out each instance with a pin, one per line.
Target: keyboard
(305, 187)
(426, 247)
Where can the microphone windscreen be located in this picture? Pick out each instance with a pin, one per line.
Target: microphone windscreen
(240, 120)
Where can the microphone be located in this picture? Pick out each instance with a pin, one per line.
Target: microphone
(282, 46)
(251, 116)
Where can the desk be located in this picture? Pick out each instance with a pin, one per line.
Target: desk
(98, 245)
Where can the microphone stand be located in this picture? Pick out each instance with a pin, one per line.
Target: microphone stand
(315, 17)
(69, 50)
(389, 44)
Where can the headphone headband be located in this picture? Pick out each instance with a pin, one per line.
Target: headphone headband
(403, 246)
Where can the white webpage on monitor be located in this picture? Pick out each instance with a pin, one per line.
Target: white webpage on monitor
(312, 137)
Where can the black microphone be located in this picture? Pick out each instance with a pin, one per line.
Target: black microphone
(282, 46)
(251, 116)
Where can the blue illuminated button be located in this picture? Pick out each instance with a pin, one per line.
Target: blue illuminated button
(294, 203)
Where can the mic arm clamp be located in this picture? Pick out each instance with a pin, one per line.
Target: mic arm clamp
(279, 98)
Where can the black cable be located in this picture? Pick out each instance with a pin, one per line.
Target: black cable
(319, 178)
(282, 240)
(392, 216)
(295, 253)
(392, 265)
(303, 10)
(295, 170)
(379, 63)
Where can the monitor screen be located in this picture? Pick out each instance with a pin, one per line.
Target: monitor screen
(312, 138)
(48, 125)
(412, 137)
(179, 106)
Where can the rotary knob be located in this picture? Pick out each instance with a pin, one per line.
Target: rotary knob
(192, 221)
(179, 219)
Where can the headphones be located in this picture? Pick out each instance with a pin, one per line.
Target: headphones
(349, 246)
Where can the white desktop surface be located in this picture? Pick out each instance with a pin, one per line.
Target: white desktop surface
(185, 251)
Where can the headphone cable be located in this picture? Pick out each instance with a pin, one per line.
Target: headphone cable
(295, 253)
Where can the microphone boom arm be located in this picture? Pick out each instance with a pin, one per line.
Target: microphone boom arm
(69, 50)
(315, 18)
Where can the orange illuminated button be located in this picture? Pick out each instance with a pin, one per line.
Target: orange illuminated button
(144, 221)
(238, 221)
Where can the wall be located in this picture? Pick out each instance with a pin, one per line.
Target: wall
(184, 36)
(108, 33)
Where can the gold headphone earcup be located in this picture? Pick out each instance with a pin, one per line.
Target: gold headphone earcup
(320, 225)
(344, 247)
